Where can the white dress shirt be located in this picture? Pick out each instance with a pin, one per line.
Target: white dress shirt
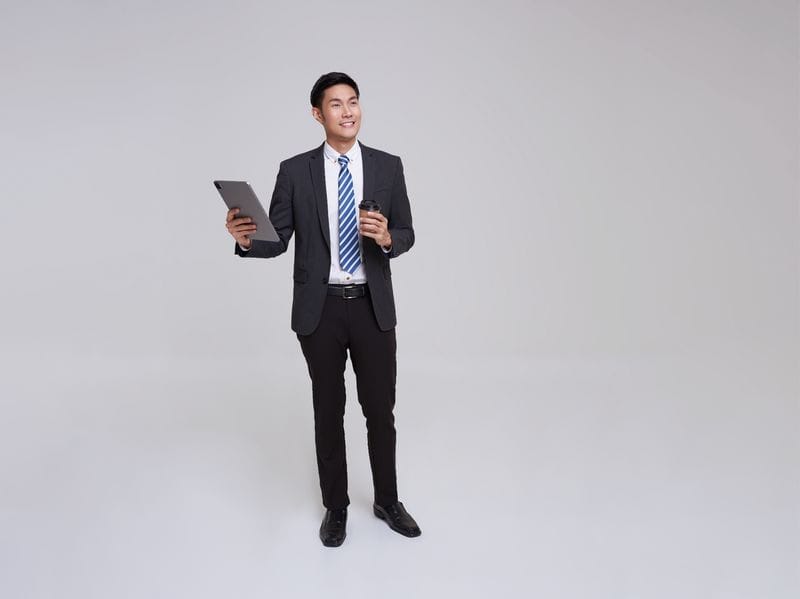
(337, 276)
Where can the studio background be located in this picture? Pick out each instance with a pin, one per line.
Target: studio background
(598, 327)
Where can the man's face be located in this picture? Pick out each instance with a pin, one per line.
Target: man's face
(340, 114)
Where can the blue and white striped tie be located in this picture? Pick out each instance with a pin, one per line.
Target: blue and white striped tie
(349, 256)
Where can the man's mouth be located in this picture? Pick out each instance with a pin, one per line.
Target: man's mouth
(348, 123)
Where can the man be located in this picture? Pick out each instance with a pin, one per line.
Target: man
(343, 298)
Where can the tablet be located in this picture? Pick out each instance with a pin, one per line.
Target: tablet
(239, 194)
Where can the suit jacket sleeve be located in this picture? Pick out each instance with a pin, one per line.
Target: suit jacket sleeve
(281, 216)
(400, 215)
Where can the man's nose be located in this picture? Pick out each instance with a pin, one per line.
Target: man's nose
(348, 111)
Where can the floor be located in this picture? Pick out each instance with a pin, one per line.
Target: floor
(614, 478)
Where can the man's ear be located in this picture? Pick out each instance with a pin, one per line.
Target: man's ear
(316, 114)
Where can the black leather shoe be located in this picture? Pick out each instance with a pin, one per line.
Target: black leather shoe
(398, 519)
(332, 532)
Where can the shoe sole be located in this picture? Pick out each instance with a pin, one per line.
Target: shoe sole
(334, 544)
(405, 533)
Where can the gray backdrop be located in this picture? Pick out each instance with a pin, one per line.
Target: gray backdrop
(599, 324)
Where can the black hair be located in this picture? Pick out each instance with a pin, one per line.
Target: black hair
(329, 80)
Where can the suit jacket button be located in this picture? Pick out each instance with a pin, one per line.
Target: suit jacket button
(324, 279)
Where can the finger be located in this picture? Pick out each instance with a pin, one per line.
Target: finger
(244, 229)
(377, 215)
(239, 221)
(231, 213)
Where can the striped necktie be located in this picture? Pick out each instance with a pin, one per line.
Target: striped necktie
(349, 256)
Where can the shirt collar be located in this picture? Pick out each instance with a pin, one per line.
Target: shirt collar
(353, 154)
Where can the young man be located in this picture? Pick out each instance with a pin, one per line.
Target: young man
(343, 298)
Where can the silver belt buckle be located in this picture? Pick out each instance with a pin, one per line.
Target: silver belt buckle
(346, 295)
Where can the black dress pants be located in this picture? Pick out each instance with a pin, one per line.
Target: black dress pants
(349, 324)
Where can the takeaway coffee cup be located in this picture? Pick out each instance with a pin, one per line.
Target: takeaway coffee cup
(368, 206)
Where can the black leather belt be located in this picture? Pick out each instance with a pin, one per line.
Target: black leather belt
(347, 291)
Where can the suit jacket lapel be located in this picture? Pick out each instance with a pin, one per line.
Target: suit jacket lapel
(317, 165)
(368, 166)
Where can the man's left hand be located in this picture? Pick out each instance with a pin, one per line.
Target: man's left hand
(375, 226)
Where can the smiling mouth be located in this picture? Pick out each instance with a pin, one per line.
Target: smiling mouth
(348, 124)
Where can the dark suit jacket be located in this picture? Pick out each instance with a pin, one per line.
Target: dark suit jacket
(300, 206)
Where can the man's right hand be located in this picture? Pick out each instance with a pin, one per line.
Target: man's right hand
(240, 228)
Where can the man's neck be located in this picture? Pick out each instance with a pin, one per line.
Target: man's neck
(341, 146)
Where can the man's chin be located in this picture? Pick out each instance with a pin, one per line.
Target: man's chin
(348, 135)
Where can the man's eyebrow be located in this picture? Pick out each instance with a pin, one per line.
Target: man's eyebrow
(340, 100)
